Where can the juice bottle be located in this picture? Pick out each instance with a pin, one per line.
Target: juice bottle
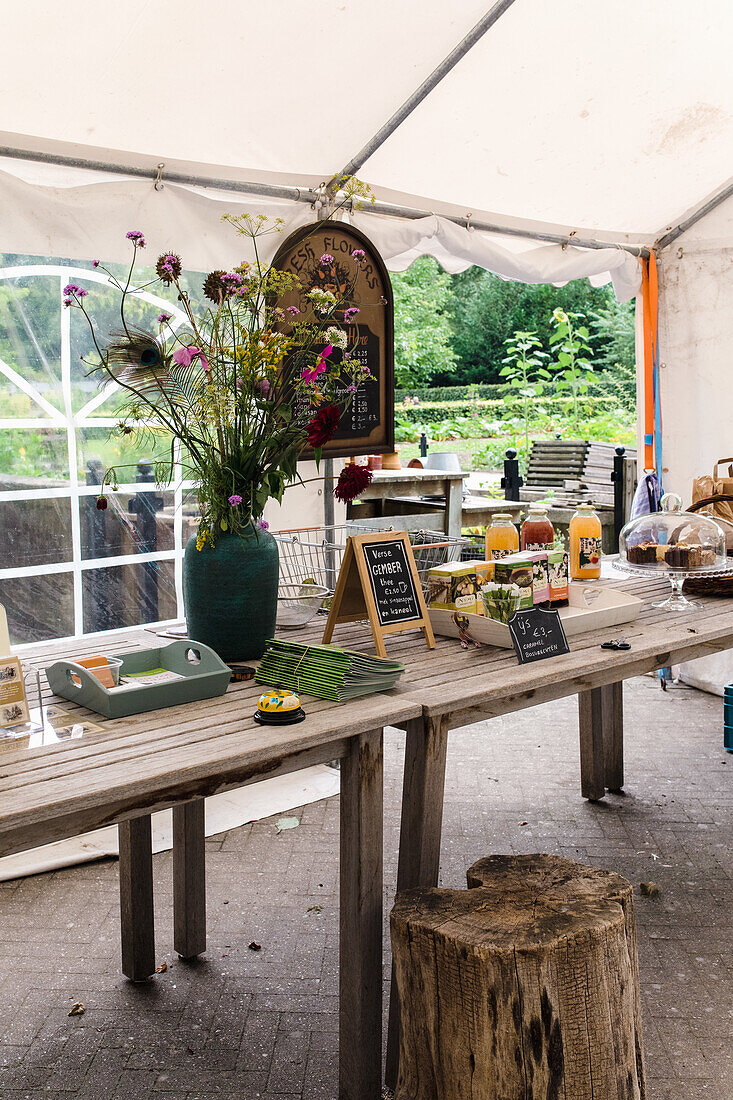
(537, 530)
(585, 544)
(502, 538)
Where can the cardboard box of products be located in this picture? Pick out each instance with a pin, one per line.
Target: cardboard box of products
(456, 585)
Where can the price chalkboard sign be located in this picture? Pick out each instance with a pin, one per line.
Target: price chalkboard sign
(391, 580)
(537, 634)
(378, 581)
(367, 423)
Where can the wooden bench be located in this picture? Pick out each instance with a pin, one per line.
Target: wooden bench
(576, 470)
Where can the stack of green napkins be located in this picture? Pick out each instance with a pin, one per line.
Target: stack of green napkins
(325, 671)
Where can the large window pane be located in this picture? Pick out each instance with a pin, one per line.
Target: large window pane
(38, 607)
(33, 458)
(132, 523)
(35, 532)
(30, 334)
(127, 595)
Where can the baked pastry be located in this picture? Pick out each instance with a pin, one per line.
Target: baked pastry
(662, 552)
(644, 553)
(684, 556)
(707, 557)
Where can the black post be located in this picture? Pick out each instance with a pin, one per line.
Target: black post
(511, 482)
(423, 445)
(617, 477)
(144, 506)
(97, 592)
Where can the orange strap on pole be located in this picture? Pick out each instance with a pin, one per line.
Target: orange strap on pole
(650, 297)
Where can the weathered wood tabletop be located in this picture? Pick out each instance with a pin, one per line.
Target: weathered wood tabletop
(177, 756)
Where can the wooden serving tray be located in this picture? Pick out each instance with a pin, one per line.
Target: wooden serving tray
(592, 606)
(203, 675)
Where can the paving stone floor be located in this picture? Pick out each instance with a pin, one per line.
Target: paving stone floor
(245, 1024)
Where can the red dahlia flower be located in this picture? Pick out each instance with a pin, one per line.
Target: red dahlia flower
(352, 481)
(323, 426)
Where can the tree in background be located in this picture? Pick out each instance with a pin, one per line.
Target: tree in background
(485, 309)
(614, 333)
(422, 324)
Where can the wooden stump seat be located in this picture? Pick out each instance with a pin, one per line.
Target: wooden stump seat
(523, 987)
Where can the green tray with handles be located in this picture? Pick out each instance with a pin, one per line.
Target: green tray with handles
(204, 676)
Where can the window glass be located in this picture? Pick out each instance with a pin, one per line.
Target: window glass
(57, 440)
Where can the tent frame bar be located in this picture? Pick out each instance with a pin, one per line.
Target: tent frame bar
(693, 218)
(311, 196)
(446, 65)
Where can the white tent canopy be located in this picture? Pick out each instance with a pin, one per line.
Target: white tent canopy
(552, 125)
(573, 120)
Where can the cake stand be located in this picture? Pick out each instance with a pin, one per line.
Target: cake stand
(677, 600)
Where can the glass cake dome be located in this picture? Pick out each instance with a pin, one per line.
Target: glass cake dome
(673, 540)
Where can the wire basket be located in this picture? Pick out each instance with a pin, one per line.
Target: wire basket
(316, 553)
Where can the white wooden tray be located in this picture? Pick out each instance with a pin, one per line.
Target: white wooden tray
(592, 606)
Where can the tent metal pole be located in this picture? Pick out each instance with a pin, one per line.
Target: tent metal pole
(474, 35)
(270, 190)
(505, 230)
(704, 208)
(299, 194)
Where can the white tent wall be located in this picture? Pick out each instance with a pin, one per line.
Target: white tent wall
(696, 338)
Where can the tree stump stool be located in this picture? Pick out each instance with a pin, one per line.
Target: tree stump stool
(523, 987)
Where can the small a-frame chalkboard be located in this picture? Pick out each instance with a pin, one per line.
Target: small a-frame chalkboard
(537, 634)
(378, 581)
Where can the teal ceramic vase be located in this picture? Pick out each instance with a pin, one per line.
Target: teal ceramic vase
(230, 593)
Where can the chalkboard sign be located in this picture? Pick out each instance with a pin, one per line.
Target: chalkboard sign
(537, 634)
(367, 423)
(391, 581)
(378, 581)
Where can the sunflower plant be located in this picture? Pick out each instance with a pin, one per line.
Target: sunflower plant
(242, 388)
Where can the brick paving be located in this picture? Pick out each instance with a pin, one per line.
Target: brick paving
(244, 1024)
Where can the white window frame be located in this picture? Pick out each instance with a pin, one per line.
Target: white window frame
(71, 422)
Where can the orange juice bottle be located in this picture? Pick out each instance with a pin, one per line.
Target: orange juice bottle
(585, 544)
(502, 537)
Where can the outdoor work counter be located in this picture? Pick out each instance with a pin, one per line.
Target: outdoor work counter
(175, 757)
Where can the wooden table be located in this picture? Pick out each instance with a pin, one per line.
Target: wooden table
(390, 485)
(177, 756)
(458, 687)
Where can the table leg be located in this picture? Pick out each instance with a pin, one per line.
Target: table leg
(423, 787)
(613, 735)
(189, 878)
(453, 507)
(590, 719)
(136, 898)
(360, 947)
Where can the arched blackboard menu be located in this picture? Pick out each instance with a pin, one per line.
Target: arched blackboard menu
(367, 425)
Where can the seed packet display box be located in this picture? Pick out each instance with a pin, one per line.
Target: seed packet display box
(591, 606)
(203, 676)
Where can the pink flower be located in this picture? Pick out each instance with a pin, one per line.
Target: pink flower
(293, 311)
(95, 263)
(311, 373)
(136, 237)
(164, 318)
(349, 313)
(235, 500)
(326, 259)
(326, 351)
(184, 357)
(263, 525)
(359, 254)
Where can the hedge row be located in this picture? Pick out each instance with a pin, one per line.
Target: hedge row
(623, 391)
(432, 411)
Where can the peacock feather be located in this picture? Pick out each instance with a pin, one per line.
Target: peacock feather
(136, 358)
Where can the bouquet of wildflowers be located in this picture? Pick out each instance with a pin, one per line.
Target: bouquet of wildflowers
(244, 388)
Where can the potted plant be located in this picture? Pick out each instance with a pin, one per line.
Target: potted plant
(239, 392)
